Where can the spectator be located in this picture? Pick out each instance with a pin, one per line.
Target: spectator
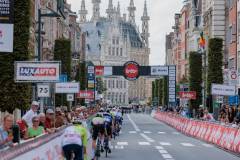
(207, 116)
(237, 117)
(31, 113)
(59, 118)
(42, 119)
(49, 122)
(35, 130)
(6, 135)
(231, 115)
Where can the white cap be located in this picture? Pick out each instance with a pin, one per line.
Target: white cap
(35, 103)
(49, 110)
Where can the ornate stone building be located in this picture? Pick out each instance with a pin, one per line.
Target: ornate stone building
(112, 41)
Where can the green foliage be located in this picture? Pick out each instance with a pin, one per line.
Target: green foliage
(15, 95)
(62, 52)
(195, 78)
(153, 90)
(165, 91)
(100, 86)
(160, 92)
(215, 63)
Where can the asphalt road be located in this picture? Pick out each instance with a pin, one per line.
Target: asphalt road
(144, 138)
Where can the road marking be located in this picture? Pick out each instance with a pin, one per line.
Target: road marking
(134, 124)
(159, 147)
(207, 145)
(187, 144)
(163, 151)
(122, 143)
(111, 147)
(119, 147)
(165, 144)
(147, 132)
(176, 133)
(166, 156)
(132, 132)
(147, 138)
(144, 143)
(161, 132)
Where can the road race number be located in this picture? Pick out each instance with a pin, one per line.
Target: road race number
(43, 90)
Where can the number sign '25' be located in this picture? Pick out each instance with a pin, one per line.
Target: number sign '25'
(43, 90)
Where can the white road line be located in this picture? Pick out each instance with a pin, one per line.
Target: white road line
(144, 143)
(119, 147)
(166, 156)
(134, 124)
(147, 132)
(176, 133)
(207, 145)
(165, 144)
(159, 147)
(161, 132)
(163, 151)
(132, 132)
(187, 144)
(147, 138)
(122, 143)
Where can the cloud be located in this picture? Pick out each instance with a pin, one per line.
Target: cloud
(161, 13)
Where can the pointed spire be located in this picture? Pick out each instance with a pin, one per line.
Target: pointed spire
(131, 10)
(96, 10)
(83, 12)
(110, 10)
(118, 9)
(145, 26)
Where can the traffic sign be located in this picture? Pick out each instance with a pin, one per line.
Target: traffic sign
(43, 90)
(70, 97)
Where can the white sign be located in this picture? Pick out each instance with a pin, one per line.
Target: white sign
(6, 37)
(67, 88)
(233, 77)
(223, 90)
(90, 69)
(43, 90)
(159, 71)
(108, 71)
(27, 71)
(70, 97)
(219, 99)
(51, 149)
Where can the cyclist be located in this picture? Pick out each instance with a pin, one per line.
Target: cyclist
(74, 140)
(108, 123)
(98, 130)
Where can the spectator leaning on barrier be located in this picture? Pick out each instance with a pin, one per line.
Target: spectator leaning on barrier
(59, 119)
(42, 119)
(35, 130)
(207, 116)
(6, 135)
(237, 117)
(31, 113)
(49, 122)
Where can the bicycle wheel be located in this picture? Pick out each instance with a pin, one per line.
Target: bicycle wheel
(106, 146)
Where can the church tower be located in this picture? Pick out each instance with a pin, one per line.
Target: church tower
(96, 10)
(131, 10)
(83, 12)
(110, 10)
(145, 26)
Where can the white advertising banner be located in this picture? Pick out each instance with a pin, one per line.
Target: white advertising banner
(67, 88)
(6, 37)
(108, 71)
(26, 71)
(159, 70)
(223, 90)
(51, 150)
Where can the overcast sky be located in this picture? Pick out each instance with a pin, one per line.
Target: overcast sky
(161, 13)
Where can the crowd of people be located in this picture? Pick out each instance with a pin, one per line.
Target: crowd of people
(226, 114)
(32, 124)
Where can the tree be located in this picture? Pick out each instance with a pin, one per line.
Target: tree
(195, 78)
(62, 52)
(153, 90)
(15, 95)
(100, 86)
(165, 91)
(160, 92)
(215, 64)
(81, 77)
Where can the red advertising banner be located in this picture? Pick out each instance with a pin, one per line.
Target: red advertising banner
(99, 70)
(188, 95)
(86, 95)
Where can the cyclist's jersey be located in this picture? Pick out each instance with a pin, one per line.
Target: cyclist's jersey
(71, 135)
(84, 133)
(107, 118)
(97, 121)
(118, 115)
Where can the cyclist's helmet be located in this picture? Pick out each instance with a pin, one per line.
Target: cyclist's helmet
(101, 110)
(108, 110)
(99, 115)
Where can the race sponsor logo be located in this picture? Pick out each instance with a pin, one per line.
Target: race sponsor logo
(131, 70)
(37, 72)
